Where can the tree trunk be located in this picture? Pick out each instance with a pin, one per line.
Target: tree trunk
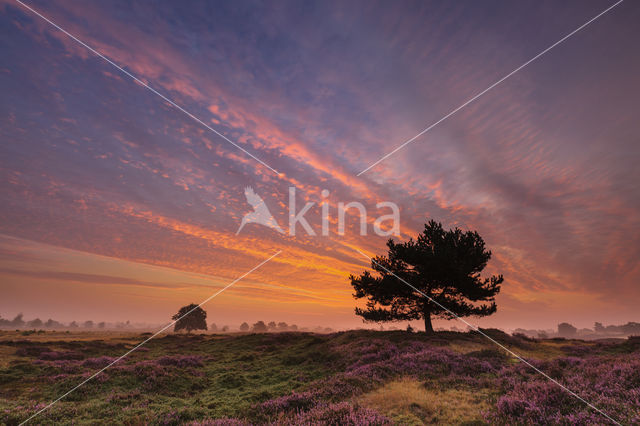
(428, 327)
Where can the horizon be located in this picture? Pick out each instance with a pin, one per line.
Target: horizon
(79, 325)
(117, 206)
(251, 316)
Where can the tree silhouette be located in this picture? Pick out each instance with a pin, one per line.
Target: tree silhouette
(444, 265)
(190, 317)
(52, 324)
(244, 327)
(631, 328)
(259, 327)
(18, 321)
(35, 323)
(566, 330)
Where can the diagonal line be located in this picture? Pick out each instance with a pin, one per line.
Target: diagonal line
(145, 85)
(149, 338)
(492, 86)
(476, 328)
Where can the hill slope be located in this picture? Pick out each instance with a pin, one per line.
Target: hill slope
(356, 377)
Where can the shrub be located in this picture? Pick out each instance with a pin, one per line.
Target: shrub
(56, 355)
(340, 414)
(181, 361)
(99, 362)
(32, 351)
(609, 383)
(220, 422)
(294, 401)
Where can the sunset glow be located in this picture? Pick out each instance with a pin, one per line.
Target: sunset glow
(117, 206)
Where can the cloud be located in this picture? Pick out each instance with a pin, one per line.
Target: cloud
(539, 166)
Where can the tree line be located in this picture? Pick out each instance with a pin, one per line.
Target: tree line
(193, 317)
(19, 322)
(568, 330)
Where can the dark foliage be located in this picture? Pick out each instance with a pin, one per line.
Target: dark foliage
(190, 317)
(259, 327)
(443, 265)
(35, 323)
(566, 330)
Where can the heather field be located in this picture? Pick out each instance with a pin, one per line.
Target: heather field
(355, 377)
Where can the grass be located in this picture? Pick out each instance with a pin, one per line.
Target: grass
(237, 372)
(412, 402)
(407, 378)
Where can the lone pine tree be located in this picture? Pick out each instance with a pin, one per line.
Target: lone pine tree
(443, 265)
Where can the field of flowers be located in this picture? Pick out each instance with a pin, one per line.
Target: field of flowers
(352, 378)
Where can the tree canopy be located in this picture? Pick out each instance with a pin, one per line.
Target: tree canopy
(566, 330)
(442, 267)
(190, 317)
(259, 327)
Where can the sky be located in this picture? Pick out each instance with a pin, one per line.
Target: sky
(116, 205)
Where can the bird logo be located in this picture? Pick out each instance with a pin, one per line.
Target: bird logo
(260, 214)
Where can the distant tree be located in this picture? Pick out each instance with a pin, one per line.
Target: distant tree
(443, 265)
(293, 327)
(244, 327)
(631, 328)
(52, 324)
(17, 321)
(101, 324)
(282, 326)
(190, 317)
(4, 322)
(566, 330)
(213, 327)
(120, 324)
(259, 327)
(598, 327)
(226, 328)
(88, 324)
(73, 324)
(409, 328)
(272, 326)
(35, 323)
